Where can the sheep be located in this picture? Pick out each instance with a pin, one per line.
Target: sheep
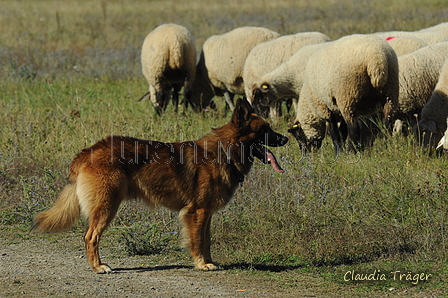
(427, 36)
(268, 55)
(440, 28)
(221, 62)
(352, 76)
(286, 80)
(418, 75)
(405, 44)
(168, 60)
(433, 124)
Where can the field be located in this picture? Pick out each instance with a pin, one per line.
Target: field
(70, 75)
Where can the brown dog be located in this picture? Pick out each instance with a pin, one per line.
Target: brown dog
(196, 178)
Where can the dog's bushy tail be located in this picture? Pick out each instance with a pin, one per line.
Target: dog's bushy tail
(62, 215)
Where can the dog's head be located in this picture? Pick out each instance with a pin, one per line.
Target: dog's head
(255, 132)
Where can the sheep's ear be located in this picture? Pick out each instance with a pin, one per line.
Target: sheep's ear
(295, 127)
(441, 142)
(146, 96)
(265, 87)
(258, 97)
(242, 113)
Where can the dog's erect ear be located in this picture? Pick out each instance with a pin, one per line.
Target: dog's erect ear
(243, 111)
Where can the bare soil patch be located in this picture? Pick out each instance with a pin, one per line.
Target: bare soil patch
(55, 266)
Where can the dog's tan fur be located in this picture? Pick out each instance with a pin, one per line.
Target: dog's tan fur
(196, 178)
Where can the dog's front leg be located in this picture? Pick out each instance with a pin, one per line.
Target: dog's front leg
(196, 228)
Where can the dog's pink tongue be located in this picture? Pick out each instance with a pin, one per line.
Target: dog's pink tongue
(271, 158)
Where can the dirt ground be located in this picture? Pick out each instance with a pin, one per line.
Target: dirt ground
(55, 266)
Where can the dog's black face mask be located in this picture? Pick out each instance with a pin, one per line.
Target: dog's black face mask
(268, 137)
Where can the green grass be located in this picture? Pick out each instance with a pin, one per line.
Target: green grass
(72, 76)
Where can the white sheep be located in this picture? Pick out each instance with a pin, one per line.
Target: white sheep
(405, 44)
(286, 80)
(168, 63)
(439, 28)
(418, 76)
(352, 76)
(221, 63)
(432, 125)
(268, 55)
(427, 36)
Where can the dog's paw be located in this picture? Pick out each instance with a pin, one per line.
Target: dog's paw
(101, 269)
(207, 266)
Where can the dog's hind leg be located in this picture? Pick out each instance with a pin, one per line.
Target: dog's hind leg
(101, 205)
(97, 224)
(196, 227)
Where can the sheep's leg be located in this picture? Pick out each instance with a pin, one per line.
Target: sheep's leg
(275, 110)
(187, 96)
(289, 104)
(176, 90)
(353, 136)
(159, 104)
(389, 118)
(334, 133)
(343, 131)
(229, 99)
(295, 103)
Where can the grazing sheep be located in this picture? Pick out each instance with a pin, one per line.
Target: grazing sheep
(352, 76)
(427, 36)
(418, 76)
(268, 55)
(168, 64)
(221, 62)
(405, 44)
(440, 28)
(432, 125)
(286, 80)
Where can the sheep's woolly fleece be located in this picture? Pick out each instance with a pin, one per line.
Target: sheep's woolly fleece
(352, 76)
(229, 50)
(168, 60)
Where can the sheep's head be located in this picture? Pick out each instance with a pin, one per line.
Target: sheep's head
(260, 102)
(265, 87)
(426, 133)
(259, 95)
(305, 143)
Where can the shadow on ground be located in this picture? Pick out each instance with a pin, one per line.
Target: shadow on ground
(238, 266)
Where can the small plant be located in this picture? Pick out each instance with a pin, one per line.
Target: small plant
(149, 239)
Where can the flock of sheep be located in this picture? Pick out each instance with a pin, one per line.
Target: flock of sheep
(399, 77)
